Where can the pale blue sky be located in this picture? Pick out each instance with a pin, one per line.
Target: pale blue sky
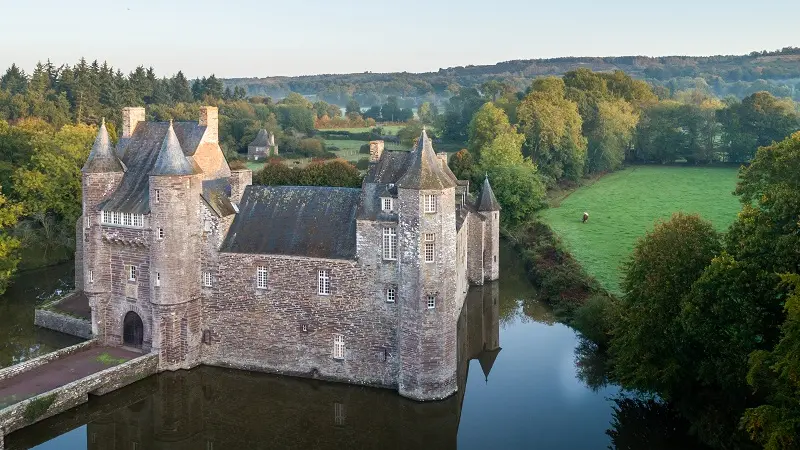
(237, 38)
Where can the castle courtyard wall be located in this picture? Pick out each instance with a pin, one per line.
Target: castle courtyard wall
(289, 329)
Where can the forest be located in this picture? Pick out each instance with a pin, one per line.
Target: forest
(777, 72)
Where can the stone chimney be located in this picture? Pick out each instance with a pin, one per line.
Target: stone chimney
(131, 116)
(239, 180)
(442, 157)
(209, 117)
(375, 150)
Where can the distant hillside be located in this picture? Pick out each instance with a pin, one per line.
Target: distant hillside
(739, 76)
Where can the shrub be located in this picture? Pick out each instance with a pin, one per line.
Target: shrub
(237, 164)
(362, 164)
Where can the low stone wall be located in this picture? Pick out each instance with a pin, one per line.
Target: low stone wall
(63, 323)
(26, 366)
(58, 400)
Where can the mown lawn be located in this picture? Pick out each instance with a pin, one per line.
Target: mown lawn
(388, 129)
(624, 205)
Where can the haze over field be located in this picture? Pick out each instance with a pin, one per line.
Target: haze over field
(246, 38)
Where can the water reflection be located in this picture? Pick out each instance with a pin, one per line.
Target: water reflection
(20, 340)
(213, 408)
(525, 381)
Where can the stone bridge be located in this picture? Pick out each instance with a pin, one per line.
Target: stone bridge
(51, 384)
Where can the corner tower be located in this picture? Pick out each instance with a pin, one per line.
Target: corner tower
(174, 192)
(490, 209)
(100, 177)
(427, 335)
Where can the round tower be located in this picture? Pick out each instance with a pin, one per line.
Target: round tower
(100, 177)
(175, 256)
(490, 209)
(427, 335)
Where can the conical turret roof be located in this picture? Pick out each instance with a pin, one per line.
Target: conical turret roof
(102, 158)
(487, 201)
(262, 139)
(171, 160)
(487, 359)
(425, 171)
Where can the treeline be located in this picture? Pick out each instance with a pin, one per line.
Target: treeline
(777, 72)
(586, 123)
(709, 323)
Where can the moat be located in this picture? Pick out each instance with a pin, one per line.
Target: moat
(533, 396)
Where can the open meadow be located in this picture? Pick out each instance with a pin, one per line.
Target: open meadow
(624, 205)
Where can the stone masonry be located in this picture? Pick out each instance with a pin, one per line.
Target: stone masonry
(180, 256)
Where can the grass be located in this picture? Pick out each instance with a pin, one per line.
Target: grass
(388, 129)
(107, 359)
(624, 205)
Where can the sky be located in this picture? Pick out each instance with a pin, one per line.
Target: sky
(249, 38)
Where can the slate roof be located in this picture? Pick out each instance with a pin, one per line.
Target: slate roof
(487, 200)
(217, 194)
(390, 167)
(102, 158)
(261, 140)
(425, 170)
(139, 153)
(310, 221)
(171, 160)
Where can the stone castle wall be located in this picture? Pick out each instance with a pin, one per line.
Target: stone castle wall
(288, 328)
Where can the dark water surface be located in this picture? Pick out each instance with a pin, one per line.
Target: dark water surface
(531, 398)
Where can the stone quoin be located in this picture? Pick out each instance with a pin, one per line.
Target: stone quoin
(181, 256)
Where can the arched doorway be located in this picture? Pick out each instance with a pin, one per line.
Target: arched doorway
(132, 330)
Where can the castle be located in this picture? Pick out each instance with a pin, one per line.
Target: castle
(179, 255)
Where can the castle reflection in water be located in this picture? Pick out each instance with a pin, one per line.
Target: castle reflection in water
(213, 409)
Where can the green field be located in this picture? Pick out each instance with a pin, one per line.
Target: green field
(388, 129)
(623, 205)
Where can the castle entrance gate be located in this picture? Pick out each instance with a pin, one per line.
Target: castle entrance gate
(132, 330)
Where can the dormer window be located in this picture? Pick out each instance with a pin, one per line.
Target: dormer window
(122, 219)
(387, 204)
(430, 203)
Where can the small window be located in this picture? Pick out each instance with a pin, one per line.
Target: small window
(158, 195)
(138, 220)
(158, 279)
(388, 204)
(431, 301)
(338, 346)
(389, 243)
(127, 220)
(495, 215)
(430, 247)
(91, 276)
(430, 203)
(323, 283)
(160, 233)
(106, 217)
(131, 273)
(207, 279)
(115, 218)
(261, 277)
(391, 295)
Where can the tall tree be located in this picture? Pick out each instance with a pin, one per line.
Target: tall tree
(552, 128)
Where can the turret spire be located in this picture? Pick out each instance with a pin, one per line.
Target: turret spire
(171, 160)
(102, 159)
(425, 171)
(487, 200)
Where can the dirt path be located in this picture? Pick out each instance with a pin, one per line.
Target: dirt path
(60, 372)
